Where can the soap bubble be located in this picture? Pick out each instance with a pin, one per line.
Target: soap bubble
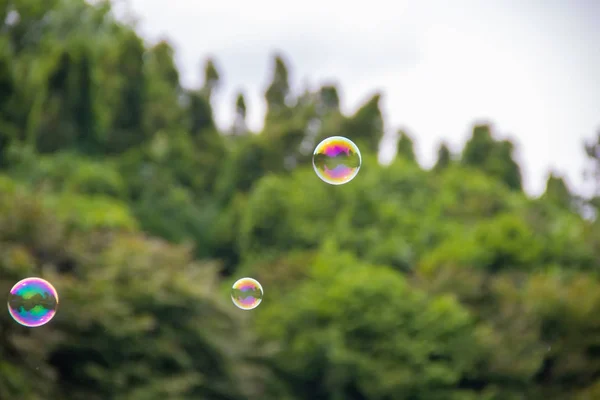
(336, 160)
(32, 302)
(246, 293)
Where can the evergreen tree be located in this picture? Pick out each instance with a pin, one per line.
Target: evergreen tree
(127, 126)
(56, 128)
(557, 192)
(84, 113)
(493, 157)
(278, 92)
(164, 110)
(8, 90)
(504, 165)
(211, 78)
(479, 147)
(443, 159)
(240, 105)
(329, 98)
(365, 127)
(406, 147)
(239, 124)
(166, 69)
(200, 113)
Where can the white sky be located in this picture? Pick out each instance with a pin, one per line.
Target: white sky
(532, 68)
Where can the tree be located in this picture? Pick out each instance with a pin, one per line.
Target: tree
(504, 166)
(127, 128)
(8, 91)
(57, 128)
(24, 22)
(358, 336)
(97, 269)
(557, 192)
(165, 68)
(200, 113)
(239, 124)
(240, 105)
(84, 112)
(365, 127)
(211, 78)
(403, 283)
(164, 111)
(493, 157)
(479, 147)
(278, 92)
(406, 147)
(443, 159)
(329, 98)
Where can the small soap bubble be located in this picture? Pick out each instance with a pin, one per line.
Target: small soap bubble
(246, 293)
(32, 302)
(336, 160)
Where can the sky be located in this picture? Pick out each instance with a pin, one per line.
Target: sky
(531, 68)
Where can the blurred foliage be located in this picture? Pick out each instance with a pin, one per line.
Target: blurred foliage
(118, 187)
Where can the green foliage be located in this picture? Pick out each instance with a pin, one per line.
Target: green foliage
(502, 242)
(68, 120)
(92, 212)
(239, 124)
(72, 172)
(119, 188)
(558, 192)
(211, 78)
(127, 296)
(163, 91)
(200, 113)
(277, 94)
(8, 91)
(444, 158)
(329, 97)
(240, 105)
(365, 333)
(127, 129)
(365, 127)
(493, 157)
(406, 147)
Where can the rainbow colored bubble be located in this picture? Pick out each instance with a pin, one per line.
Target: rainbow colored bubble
(32, 302)
(337, 160)
(246, 293)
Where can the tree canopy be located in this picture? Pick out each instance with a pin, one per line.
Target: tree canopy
(118, 187)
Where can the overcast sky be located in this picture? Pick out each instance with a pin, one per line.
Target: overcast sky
(532, 68)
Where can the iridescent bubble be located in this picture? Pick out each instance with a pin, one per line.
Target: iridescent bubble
(336, 160)
(32, 302)
(246, 293)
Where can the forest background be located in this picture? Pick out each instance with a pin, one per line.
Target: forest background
(407, 283)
